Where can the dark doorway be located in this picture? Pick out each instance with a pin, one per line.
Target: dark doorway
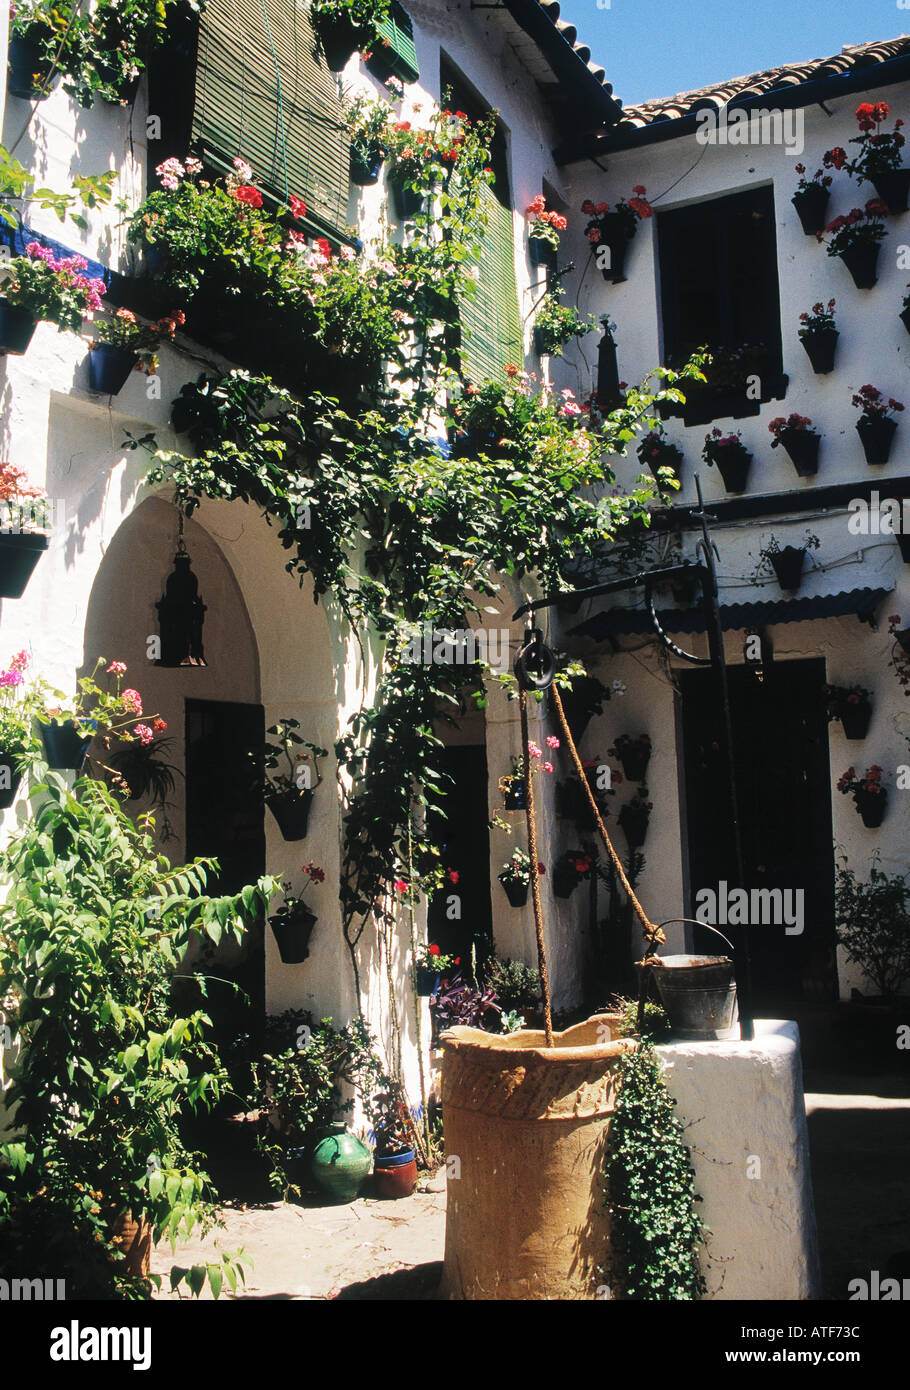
(464, 834)
(224, 813)
(783, 780)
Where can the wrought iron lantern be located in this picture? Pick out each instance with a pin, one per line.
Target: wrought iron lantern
(181, 613)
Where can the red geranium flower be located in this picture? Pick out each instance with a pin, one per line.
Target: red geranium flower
(298, 206)
(248, 195)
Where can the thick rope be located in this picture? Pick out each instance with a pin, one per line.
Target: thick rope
(535, 876)
(652, 933)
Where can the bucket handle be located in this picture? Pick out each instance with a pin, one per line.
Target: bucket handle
(693, 921)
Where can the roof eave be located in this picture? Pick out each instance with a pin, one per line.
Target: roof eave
(578, 85)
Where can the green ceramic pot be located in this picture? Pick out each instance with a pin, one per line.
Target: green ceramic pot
(340, 1164)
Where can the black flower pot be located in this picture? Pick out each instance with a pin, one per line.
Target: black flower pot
(17, 326)
(408, 202)
(810, 204)
(802, 447)
(108, 368)
(902, 639)
(876, 436)
(855, 719)
(426, 980)
(787, 564)
(862, 263)
(635, 763)
(614, 234)
(733, 466)
(292, 933)
(514, 798)
(19, 554)
(872, 808)
(291, 810)
(892, 187)
(9, 773)
(903, 540)
(542, 253)
(665, 456)
(338, 40)
(66, 750)
(820, 348)
(905, 318)
(25, 64)
(365, 171)
(635, 826)
(565, 881)
(517, 893)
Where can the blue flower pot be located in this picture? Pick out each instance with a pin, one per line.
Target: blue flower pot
(109, 367)
(365, 172)
(66, 750)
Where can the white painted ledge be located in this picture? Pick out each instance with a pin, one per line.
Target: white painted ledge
(744, 1112)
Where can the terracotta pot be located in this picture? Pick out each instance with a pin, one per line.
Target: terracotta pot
(530, 1124)
(820, 348)
(876, 436)
(134, 1240)
(810, 204)
(395, 1175)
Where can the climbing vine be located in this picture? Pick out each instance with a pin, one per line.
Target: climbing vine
(402, 529)
(650, 1187)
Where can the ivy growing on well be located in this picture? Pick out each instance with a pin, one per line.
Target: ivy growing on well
(650, 1187)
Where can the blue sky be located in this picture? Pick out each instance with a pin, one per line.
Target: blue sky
(653, 48)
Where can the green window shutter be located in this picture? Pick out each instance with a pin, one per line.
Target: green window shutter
(491, 316)
(395, 52)
(262, 93)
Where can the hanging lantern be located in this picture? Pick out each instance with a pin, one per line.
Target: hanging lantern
(180, 613)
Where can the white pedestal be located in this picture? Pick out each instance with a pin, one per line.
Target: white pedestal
(745, 1120)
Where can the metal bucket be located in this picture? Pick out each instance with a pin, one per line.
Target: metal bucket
(698, 994)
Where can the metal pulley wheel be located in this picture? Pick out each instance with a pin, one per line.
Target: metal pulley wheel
(535, 664)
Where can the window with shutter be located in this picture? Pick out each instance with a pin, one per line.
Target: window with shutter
(491, 317)
(394, 54)
(262, 92)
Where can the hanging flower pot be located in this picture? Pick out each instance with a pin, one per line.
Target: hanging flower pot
(514, 797)
(855, 719)
(8, 771)
(565, 880)
(787, 564)
(65, 747)
(395, 1175)
(426, 980)
(892, 186)
(614, 234)
(291, 810)
(634, 756)
(408, 201)
(903, 540)
(517, 893)
(366, 167)
(876, 436)
(810, 204)
(108, 368)
(338, 40)
(663, 455)
(27, 72)
(19, 554)
(905, 318)
(820, 348)
(293, 930)
(734, 469)
(802, 447)
(861, 260)
(634, 821)
(17, 326)
(872, 807)
(541, 252)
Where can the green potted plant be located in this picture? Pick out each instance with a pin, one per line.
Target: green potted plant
(634, 817)
(876, 425)
(39, 34)
(38, 286)
(24, 518)
(869, 795)
(17, 739)
(430, 965)
(515, 877)
(634, 752)
(811, 196)
(122, 345)
(614, 229)
(67, 729)
(394, 1159)
(801, 443)
(856, 237)
(852, 705)
(344, 26)
(656, 452)
(786, 561)
(556, 324)
(731, 456)
(879, 157)
(293, 922)
(367, 122)
(818, 335)
(291, 765)
(114, 1070)
(573, 866)
(421, 160)
(872, 923)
